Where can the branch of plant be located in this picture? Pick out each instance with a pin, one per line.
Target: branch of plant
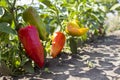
(59, 22)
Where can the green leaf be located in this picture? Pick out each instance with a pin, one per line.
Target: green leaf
(47, 70)
(90, 64)
(7, 17)
(49, 4)
(28, 67)
(73, 45)
(84, 37)
(1, 11)
(3, 3)
(95, 17)
(115, 6)
(46, 2)
(4, 69)
(4, 27)
(105, 1)
(4, 37)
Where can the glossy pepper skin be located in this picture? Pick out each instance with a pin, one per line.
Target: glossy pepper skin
(31, 17)
(29, 37)
(58, 42)
(74, 29)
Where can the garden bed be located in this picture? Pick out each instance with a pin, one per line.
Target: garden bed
(99, 60)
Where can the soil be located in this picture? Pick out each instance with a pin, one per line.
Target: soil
(99, 60)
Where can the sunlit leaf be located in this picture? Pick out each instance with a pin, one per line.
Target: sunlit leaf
(3, 3)
(95, 17)
(49, 4)
(84, 37)
(115, 6)
(46, 2)
(105, 1)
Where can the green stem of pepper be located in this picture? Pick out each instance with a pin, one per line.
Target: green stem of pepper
(14, 12)
(59, 22)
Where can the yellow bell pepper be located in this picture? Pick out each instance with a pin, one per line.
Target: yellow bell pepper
(74, 29)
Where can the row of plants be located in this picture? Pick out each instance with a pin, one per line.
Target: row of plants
(30, 34)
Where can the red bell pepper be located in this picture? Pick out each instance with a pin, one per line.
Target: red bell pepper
(29, 37)
(57, 44)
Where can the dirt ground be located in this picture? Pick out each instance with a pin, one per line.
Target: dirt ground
(99, 60)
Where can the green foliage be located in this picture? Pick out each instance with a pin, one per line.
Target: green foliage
(3, 3)
(116, 6)
(73, 45)
(5, 27)
(4, 69)
(28, 67)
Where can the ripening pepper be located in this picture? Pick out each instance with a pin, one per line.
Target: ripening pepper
(73, 23)
(58, 42)
(31, 16)
(74, 29)
(29, 37)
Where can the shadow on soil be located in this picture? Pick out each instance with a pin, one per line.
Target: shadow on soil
(75, 66)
